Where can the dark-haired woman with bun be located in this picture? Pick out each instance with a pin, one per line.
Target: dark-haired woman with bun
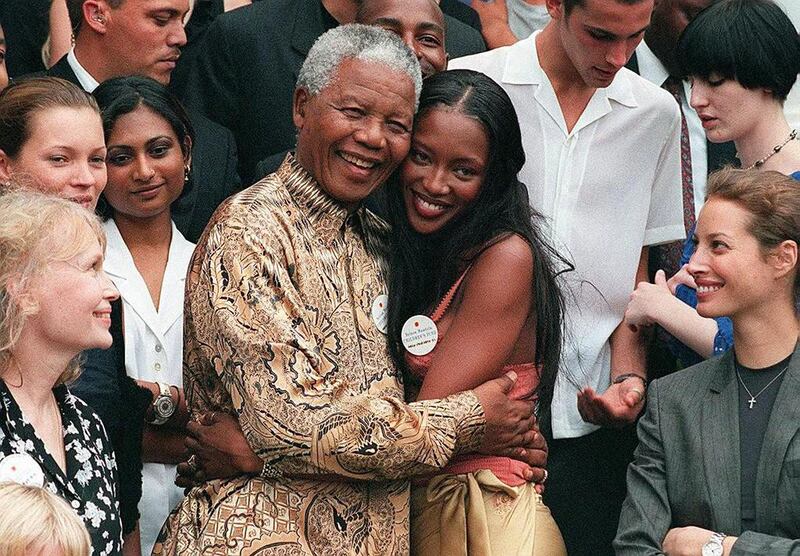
(742, 57)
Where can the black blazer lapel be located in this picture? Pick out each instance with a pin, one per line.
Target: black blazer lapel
(721, 457)
(783, 424)
(63, 70)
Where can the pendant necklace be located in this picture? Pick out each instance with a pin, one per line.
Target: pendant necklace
(752, 401)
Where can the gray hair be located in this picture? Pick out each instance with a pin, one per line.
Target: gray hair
(359, 42)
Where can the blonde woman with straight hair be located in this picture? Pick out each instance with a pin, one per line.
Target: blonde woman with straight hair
(55, 302)
(37, 522)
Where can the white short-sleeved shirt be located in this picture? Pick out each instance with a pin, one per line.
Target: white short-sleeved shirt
(153, 352)
(609, 187)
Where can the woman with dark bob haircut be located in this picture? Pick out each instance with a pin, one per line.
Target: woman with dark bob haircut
(149, 141)
(468, 258)
(742, 57)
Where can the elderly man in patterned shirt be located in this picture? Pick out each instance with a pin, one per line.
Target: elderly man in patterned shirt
(280, 333)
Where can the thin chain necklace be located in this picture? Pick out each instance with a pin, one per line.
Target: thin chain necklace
(752, 401)
(775, 150)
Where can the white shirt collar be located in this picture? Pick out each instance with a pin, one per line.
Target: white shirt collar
(650, 67)
(520, 70)
(88, 82)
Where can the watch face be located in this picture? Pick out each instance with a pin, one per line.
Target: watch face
(712, 548)
(164, 407)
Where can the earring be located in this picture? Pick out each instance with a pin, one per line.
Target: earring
(186, 170)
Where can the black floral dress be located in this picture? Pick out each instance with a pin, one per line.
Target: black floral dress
(89, 485)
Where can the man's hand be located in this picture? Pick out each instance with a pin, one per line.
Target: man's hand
(511, 429)
(219, 448)
(689, 541)
(489, 10)
(618, 406)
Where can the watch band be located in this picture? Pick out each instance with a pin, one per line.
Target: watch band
(163, 389)
(713, 546)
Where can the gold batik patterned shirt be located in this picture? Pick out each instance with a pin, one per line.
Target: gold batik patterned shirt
(279, 333)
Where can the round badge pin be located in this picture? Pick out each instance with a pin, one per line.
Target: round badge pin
(419, 335)
(380, 313)
(22, 469)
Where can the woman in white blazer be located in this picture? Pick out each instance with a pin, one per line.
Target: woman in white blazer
(150, 140)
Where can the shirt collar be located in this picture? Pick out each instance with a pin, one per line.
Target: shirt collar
(88, 82)
(326, 214)
(522, 68)
(650, 67)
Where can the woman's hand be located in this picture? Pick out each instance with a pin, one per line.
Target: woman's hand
(649, 302)
(681, 277)
(689, 541)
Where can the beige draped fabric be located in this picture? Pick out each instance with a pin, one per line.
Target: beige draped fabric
(476, 514)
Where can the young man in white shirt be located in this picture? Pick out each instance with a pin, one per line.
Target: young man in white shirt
(603, 165)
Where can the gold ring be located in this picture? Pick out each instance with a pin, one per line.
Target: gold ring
(192, 462)
(544, 479)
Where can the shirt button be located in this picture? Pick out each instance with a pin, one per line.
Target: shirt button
(157, 366)
(75, 504)
(158, 348)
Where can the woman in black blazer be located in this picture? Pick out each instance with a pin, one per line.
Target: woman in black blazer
(717, 469)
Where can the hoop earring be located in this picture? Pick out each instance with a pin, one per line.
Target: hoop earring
(186, 170)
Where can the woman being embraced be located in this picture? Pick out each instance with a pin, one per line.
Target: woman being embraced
(149, 138)
(55, 302)
(742, 57)
(716, 468)
(468, 255)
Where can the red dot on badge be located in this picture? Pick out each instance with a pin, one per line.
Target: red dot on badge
(13, 468)
(416, 323)
(380, 305)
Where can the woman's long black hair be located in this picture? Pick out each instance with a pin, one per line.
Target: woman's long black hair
(424, 267)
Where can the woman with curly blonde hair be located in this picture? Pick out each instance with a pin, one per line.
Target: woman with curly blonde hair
(55, 302)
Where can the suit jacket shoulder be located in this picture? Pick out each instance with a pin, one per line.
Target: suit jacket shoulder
(62, 70)
(461, 39)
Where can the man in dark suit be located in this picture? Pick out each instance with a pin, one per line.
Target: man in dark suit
(124, 37)
(251, 56)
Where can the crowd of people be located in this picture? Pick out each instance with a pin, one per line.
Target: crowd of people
(399, 276)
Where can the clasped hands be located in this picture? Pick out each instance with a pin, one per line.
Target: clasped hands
(219, 449)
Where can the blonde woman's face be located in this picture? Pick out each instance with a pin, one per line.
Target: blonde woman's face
(64, 155)
(74, 304)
